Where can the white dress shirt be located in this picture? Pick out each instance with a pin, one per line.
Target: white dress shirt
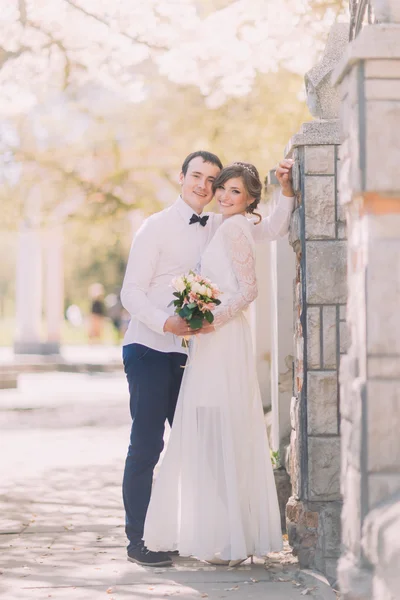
(165, 246)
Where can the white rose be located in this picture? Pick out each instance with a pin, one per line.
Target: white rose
(204, 290)
(179, 284)
(197, 287)
(190, 278)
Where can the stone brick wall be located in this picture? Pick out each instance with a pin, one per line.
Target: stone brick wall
(318, 236)
(369, 185)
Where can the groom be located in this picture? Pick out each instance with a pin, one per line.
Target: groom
(169, 243)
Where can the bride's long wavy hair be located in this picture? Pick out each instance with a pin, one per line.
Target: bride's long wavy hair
(251, 179)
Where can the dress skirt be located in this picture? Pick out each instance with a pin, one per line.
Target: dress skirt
(215, 492)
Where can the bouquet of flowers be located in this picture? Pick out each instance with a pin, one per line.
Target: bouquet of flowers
(196, 298)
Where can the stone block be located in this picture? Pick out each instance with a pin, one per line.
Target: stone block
(295, 463)
(387, 11)
(322, 403)
(329, 341)
(324, 468)
(314, 133)
(380, 590)
(380, 542)
(344, 337)
(326, 272)
(381, 486)
(295, 413)
(382, 69)
(302, 525)
(382, 122)
(384, 226)
(382, 89)
(383, 297)
(342, 231)
(345, 431)
(319, 201)
(329, 529)
(341, 212)
(331, 571)
(294, 230)
(342, 312)
(353, 389)
(383, 425)
(319, 160)
(351, 511)
(344, 185)
(322, 98)
(351, 432)
(355, 582)
(384, 367)
(313, 337)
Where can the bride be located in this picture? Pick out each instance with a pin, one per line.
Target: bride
(215, 497)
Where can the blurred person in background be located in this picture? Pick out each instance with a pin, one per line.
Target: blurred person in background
(97, 313)
(115, 312)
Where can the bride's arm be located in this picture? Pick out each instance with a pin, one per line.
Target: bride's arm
(277, 224)
(241, 252)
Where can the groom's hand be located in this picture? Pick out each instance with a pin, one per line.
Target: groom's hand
(284, 176)
(179, 326)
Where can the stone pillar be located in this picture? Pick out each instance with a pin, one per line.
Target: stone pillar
(28, 291)
(369, 82)
(318, 237)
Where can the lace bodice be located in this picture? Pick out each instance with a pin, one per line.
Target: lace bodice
(229, 261)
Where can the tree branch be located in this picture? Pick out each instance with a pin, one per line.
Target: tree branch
(60, 45)
(6, 55)
(88, 187)
(23, 15)
(136, 40)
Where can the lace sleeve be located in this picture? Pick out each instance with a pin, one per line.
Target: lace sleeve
(241, 252)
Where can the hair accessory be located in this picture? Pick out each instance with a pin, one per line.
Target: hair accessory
(249, 169)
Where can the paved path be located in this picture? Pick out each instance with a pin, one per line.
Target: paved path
(62, 448)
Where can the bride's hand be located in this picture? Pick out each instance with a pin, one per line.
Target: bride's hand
(207, 328)
(177, 326)
(284, 176)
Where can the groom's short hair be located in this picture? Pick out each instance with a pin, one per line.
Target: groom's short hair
(207, 157)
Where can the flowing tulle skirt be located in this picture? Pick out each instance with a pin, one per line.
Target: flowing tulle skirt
(215, 493)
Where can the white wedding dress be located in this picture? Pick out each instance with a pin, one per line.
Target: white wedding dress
(215, 493)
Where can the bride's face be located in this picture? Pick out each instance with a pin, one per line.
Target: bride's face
(232, 197)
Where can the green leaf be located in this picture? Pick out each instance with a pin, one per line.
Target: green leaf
(209, 316)
(185, 313)
(192, 305)
(196, 323)
(177, 294)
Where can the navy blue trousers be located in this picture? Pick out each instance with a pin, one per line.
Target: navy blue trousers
(154, 379)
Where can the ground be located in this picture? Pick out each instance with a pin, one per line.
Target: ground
(63, 442)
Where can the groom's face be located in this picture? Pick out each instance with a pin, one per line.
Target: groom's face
(197, 183)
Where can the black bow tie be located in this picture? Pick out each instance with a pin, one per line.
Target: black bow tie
(196, 219)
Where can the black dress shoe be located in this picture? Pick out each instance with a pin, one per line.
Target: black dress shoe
(143, 556)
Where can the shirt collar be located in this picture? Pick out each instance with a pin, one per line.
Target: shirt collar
(184, 209)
